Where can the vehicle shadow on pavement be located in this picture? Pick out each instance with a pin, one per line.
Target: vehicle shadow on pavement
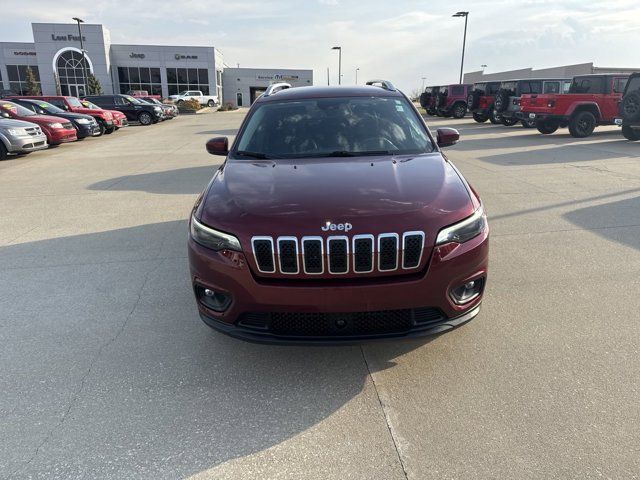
(213, 133)
(191, 180)
(617, 221)
(109, 372)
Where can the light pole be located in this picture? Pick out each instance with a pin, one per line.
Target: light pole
(423, 79)
(328, 82)
(84, 73)
(339, 64)
(464, 39)
(357, 75)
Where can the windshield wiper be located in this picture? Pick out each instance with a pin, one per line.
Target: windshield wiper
(259, 155)
(344, 153)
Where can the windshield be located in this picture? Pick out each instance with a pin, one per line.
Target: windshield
(46, 106)
(88, 104)
(183, 93)
(152, 100)
(444, 89)
(74, 102)
(135, 101)
(16, 109)
(325, 127)
(480, 87)
(508, 86)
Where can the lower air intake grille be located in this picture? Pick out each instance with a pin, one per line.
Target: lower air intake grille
(296, 324)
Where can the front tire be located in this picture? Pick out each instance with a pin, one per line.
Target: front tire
(628, 133)
(509, 122)
(480, 118)
(211, 103)
(460, 110)
(102, 127)
(3, 151)
(145, 118)
(582, 124)
(547, 128)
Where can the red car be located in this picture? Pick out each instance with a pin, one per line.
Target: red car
(57, 130)
(336, 218)
(72, 104)
(119, 119)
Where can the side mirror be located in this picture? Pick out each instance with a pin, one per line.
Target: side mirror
(447, 137)
(65, 107)
(218, 146)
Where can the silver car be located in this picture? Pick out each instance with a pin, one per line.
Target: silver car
(18, 137)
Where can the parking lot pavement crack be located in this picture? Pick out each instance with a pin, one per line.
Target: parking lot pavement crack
(86, 374)
(390, 427)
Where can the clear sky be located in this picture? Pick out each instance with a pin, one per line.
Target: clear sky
(401, 40)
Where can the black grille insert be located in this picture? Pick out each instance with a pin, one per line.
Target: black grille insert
(338, 255)
(412, 250)
(388, 253)
(354, 324)
(263, 249)
(288, 255)
(363, 254)
(312, 249)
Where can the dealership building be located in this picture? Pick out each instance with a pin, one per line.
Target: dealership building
(56, 58)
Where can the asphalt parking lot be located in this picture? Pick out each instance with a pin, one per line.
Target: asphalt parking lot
(106, 371)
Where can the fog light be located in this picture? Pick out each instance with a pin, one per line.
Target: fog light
(213, 299)
(467, 292)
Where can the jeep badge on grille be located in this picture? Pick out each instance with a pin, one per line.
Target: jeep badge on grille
(343, 227)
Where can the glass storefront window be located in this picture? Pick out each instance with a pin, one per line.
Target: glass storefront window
(140, 78)
(181, 79)
(17, 76)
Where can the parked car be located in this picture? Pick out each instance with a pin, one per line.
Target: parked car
(452, 100)
(167, 110)
(208, 100)
(57, 130)
(170, 109)
(119, 118)
(480, 102)
(592, 100)
(348, 226)
(134, 110)
(85, 125)
(104, 118)
(19, 137)
(143, 94)
(508, 98)
(630, 109)
(428, 99)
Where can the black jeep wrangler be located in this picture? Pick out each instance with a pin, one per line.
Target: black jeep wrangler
(630, 109)
(428, 99)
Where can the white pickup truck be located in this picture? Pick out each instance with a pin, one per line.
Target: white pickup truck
(208, 100)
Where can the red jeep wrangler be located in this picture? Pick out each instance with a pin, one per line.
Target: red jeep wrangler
(592, 100)
(428, 99)
(630, 109)
(480, 101)
(452, 100)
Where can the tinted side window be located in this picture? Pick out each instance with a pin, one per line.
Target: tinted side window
(493, 88)
(619, 84)
(58, 102)
(120, 101)
(457, 90)
(551, 87)
(587, 85)
(530, 87)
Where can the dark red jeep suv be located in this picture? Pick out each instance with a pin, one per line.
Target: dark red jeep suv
(336, 218)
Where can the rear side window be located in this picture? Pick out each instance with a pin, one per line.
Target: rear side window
(58, 102)
(530, 87)
(566, 86)
(492, 88)
(587, 85)
(457, 90)
(551, 87)
(619, 84)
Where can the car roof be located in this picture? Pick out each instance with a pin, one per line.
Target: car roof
(300, 93)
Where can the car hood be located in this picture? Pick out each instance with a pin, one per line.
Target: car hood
(40, 119)
(374, 194)
(11, 123)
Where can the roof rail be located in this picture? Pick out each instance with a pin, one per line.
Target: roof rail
(386, 84)
(275, 87)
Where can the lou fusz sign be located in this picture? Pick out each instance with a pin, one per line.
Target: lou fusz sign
(67, 38)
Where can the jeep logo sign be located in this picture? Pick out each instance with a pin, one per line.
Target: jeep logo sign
(137, 55)
(343, 227)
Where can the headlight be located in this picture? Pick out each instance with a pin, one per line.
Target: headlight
(83, 121)
(55, 125)
(213, 239)
(15, 131)
(157, 109)
(465, 230)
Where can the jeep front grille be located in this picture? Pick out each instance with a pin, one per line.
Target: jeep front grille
(338, 255)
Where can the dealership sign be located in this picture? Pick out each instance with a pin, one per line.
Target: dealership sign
(277, 76)
(185, 57)
(25, 53)
(67, 38)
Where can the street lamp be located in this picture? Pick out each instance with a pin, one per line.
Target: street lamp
(84, 73)
(339, 64)
(357, 75)
(423, 79)
(464, 39)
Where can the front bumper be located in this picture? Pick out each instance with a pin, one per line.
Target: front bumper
(229, 273)
(58, 136)
(27, 143)
(87, 130)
